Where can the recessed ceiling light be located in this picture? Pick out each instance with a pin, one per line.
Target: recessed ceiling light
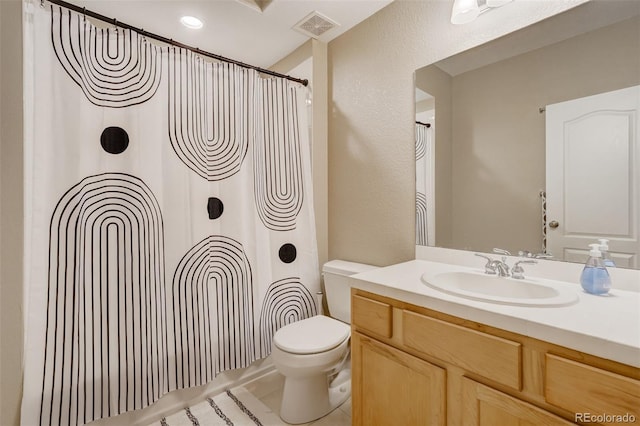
(191, 22)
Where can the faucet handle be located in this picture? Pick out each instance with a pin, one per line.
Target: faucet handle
(517, 272)
(502, 251)
(543, 256)
(489, 268)
(530, 255)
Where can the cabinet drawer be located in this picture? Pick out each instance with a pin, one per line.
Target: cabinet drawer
(483, 405)
(492, 357)
(581, 388)
(371, 315)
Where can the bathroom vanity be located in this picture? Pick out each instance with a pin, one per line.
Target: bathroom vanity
(421, 356)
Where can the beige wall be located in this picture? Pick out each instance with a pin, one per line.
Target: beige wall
(499, 147)
(425, 105)
(320, 96)
(371, 114)
(10, 211)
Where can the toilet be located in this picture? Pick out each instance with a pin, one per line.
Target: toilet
(313, 354)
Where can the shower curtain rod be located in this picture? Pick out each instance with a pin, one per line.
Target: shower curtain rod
(86, 12)
(424, 124)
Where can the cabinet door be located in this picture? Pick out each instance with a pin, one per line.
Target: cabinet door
(484, 406)
(586, 390)
(391, 387)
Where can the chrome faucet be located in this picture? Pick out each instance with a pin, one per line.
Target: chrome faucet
(501, 268)
(489, 267)
(517, 272)
(495, 267)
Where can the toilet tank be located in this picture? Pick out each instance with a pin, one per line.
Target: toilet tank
(337, 286)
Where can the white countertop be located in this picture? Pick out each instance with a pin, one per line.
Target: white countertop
(604, 326)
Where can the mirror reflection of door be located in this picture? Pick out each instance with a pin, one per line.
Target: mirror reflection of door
(425, 168)
(593, 176)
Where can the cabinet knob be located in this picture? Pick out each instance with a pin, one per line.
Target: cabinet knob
(553, 224)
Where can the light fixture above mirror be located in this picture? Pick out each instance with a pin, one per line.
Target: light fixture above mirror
(465, 11)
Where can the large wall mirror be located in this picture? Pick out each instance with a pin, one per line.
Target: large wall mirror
(530, 143)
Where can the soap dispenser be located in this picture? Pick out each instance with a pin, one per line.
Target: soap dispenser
(595, 277)
(606, 257)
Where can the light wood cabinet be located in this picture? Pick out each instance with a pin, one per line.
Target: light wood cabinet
(582, 388)
(485, 406)
(395, 388)
(476, 352)
(415, 366)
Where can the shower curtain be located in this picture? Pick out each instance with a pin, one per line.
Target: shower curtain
(423, 185)
(169, 229)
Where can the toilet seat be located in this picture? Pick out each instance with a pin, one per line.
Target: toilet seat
(312, 335)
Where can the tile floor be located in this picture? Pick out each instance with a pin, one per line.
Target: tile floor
(268, 389)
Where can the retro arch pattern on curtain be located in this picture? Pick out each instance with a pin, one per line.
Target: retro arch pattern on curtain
(213, 312)
(286, 301)
(278, 187)
(106, 323)
(211, 113)
(115, 116)
(422, 219)
(115, 68)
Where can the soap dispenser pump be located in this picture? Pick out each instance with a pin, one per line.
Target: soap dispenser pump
(595, 277)
(606, 257)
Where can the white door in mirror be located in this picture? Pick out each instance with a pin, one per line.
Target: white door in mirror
(593, 171)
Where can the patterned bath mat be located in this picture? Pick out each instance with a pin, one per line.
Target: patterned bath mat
(236, 407)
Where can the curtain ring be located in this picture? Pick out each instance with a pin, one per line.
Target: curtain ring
(84, 14)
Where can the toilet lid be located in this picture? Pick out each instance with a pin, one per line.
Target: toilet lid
(311, 335)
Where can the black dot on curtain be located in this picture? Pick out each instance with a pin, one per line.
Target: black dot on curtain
(287, 253)
(214, 208)
(114, 140)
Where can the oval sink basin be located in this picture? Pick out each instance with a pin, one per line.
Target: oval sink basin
(495, 289)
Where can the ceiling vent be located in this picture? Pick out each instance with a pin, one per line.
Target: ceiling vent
(314, 25)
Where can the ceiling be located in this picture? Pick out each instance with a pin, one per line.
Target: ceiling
(237, 29)
(588, 17)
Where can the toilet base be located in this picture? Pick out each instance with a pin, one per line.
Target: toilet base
(308, 399)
